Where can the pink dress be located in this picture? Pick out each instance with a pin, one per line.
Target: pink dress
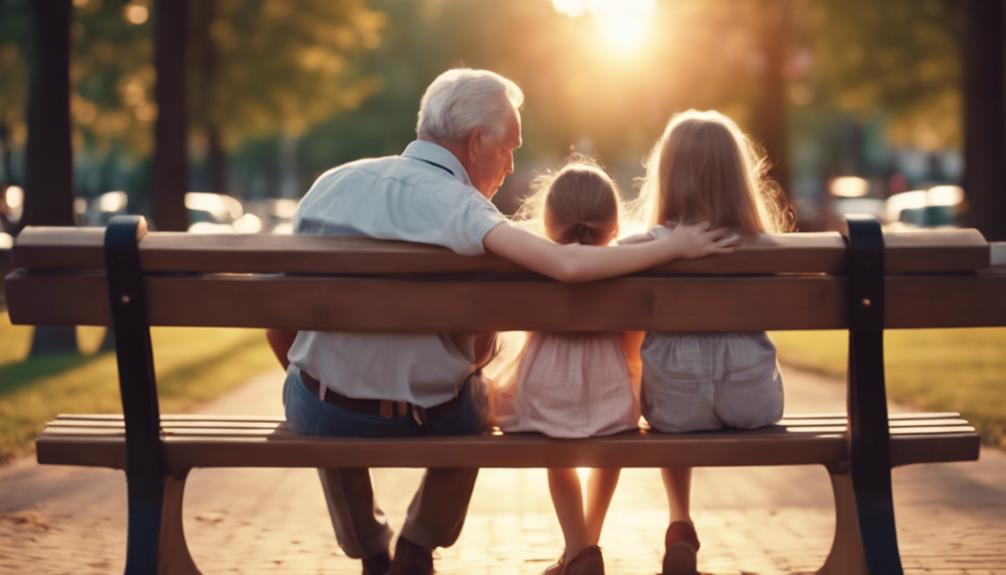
(569, 385)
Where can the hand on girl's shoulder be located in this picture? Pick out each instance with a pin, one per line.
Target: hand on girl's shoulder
(699, 240)
(721, 240)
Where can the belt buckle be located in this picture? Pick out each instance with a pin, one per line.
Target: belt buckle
(419, 415)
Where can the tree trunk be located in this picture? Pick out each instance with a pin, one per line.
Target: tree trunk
(8, 179)
(217, 158)
(171, 168)
(207, 59)
(6, 160)
(770, 117)
(985, 118)
(49, 156)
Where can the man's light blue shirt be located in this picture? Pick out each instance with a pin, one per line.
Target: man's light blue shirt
(424, 195)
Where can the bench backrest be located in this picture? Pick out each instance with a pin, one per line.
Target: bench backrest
(792, 281)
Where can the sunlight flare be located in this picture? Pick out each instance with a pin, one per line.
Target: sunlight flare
(623, 25)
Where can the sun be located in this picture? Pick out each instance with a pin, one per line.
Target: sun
(622, 25)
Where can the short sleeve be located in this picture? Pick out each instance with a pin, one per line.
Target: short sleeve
(637, 238)
(660, 231)
(471, 220)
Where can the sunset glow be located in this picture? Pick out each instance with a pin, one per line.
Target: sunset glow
(623, 25)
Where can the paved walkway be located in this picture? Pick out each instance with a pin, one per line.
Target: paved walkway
(758, 520)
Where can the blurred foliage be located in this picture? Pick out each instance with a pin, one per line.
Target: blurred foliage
(343, 79)
(13, 70)
(281, 66)
(898, 56)
(112, 76)
(579, 93)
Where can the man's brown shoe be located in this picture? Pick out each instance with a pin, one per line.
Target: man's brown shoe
(681, 545)
(587, 562)
(411, 559)
(378, 564)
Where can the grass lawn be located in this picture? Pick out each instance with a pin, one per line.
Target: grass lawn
(193, 365)
(961, 370)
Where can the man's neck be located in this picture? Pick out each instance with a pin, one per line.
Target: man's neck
(455, 148)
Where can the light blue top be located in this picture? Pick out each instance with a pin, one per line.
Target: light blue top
(425, 196)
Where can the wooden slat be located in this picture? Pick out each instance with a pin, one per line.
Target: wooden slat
(901, 416)
(268, 425)
(184, 417)
(81, 248)
(281, 430)
(770, 446)
(655, 304)
(283, 433)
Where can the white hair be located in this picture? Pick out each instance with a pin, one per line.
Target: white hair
(462, 99)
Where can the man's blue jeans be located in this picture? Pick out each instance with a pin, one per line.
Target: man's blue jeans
(437, 511)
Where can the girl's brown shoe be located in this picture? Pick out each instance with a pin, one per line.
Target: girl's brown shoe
(681, 547)
(587, 562)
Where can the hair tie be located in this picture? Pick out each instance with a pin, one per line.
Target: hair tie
(585, 233)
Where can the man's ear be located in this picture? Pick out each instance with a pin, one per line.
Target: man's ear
(473, 144)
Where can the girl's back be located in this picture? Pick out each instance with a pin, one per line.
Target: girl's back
(570, 385)
(704, 169)
(694, 382)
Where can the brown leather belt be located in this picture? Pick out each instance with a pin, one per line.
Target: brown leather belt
(377, 407)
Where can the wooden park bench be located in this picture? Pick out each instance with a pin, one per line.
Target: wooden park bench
(131, 280)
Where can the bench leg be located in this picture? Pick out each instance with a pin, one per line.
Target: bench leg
(173, 553)
(847, 555)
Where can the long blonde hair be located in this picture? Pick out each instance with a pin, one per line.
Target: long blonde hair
(578, 204)
(704, 168)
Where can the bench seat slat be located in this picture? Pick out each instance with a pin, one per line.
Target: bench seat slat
(360, 304)
(282, 432)
(181, 417)
(81, 248)
(185, 419)
(172, 426)
(200, 441)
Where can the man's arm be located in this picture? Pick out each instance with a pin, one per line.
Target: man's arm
(574, 263)
(280, 341)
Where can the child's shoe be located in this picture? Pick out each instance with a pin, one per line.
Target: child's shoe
(587, 562)
(681, 545)
(557, 567)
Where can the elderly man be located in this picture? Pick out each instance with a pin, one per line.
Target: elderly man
(371, 385)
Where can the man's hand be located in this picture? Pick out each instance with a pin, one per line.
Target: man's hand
(694, 241)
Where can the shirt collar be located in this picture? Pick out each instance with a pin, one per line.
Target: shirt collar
(426, 151)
